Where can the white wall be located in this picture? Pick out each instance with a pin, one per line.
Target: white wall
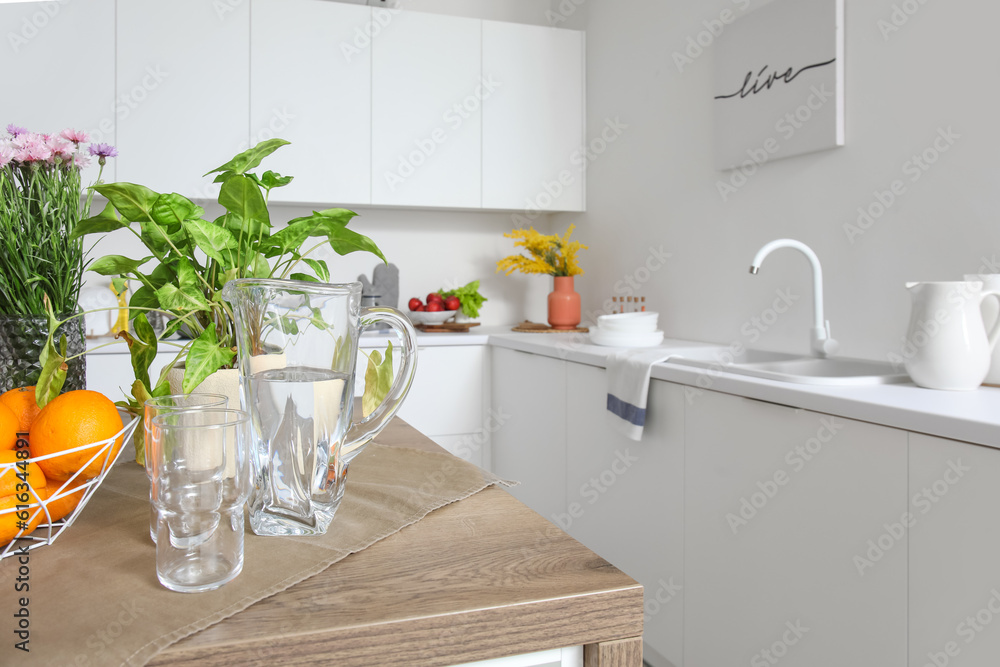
(656, 186)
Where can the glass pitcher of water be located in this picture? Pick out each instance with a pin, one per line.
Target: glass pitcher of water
(298, 345)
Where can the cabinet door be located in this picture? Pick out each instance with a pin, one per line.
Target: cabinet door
(954, 552)
(446, 397)
(625, 499)
(427, 92)
(310, 74)
(59, 60)
(189, 60)
(784, 513)
(533, 123)
(529, 445)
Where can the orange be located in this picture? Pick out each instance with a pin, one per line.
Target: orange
(74, 419)
(61, 507)
(8, 428)
(21, 401)
(9, 500)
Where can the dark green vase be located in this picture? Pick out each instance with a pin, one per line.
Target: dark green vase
(21, 343)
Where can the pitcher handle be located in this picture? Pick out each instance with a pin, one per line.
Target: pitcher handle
(994, 333)
(362, 432)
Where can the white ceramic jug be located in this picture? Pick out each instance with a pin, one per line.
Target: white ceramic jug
(991, 282)
(947, 346)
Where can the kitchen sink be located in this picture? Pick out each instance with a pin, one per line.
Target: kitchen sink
(794, 368)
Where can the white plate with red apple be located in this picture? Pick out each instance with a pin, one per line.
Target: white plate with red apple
(435, 310)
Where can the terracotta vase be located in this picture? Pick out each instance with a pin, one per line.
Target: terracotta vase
(564, 304)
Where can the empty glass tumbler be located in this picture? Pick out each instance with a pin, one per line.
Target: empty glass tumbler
(172, 403)
(200, 478)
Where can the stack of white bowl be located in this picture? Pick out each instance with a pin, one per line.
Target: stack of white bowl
(627, 330)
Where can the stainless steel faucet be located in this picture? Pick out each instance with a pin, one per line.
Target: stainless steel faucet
(821, 342)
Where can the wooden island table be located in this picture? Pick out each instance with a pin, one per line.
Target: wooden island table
(482, 578)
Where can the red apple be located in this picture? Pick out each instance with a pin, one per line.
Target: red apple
(419, 308)
(434, 296)
(415, 303)
(452, 303)
(434, 307)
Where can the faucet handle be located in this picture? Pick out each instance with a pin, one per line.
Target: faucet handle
(823, 344)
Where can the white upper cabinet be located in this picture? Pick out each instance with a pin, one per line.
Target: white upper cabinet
(189, 60)
(427, 92)
(59, 66)
(310, 83)
(533, 123)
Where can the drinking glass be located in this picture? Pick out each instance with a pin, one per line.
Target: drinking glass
(172, 403)
(200, 479)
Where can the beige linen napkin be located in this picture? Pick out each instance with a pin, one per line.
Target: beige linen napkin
(94, 598)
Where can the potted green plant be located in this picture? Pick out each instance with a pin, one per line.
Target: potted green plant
(192, 258)
(41, 257)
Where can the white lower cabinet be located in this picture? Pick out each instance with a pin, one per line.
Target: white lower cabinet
(625, 499)
(954, 610)
(795, 548)
(529, 443)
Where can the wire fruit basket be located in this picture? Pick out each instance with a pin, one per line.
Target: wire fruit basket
(34, 516)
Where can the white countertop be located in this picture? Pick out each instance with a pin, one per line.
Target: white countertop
(968, 416)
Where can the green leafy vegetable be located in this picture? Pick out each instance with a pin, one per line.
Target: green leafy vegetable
(469, 297)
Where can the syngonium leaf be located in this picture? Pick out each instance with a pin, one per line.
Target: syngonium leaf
(102, 223)
(215, 241)
(241, 197)
(378, 380)
(53, 376)
(186, 295)
(320, 267)
(172, 209)
(250, 159)
(204, 358)
(134, 202)
(142, 348)
(115, 265)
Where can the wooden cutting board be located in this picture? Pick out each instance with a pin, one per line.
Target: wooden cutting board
(446, 327)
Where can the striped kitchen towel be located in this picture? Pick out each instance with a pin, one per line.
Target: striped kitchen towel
(628, 388)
